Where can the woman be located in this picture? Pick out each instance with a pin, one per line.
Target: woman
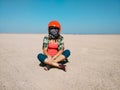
(53, 47)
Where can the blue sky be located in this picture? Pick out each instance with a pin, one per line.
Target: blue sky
(75, 16)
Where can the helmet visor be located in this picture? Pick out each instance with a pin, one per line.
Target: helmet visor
(53, 33)
(52, 27)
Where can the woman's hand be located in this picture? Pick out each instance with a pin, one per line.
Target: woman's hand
(54, 57)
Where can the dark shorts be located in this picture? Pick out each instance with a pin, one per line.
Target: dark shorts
(41, 57)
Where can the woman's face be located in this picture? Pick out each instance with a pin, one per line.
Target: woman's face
(53, 33)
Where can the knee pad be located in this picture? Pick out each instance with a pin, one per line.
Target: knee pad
(66, 53)
(41, 57)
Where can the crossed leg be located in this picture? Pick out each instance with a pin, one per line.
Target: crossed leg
(55, 62)
(59, 58)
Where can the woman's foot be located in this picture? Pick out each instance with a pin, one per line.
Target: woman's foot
(47, 67)
(63, 67)
(42, 64)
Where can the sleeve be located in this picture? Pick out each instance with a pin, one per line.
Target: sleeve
(45, 42)
(61, 43)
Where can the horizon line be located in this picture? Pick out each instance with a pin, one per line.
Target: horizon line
(71, 33)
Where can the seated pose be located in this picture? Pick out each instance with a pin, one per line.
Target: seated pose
(53, 48)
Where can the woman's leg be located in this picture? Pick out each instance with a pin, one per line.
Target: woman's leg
(60, 58)
(55, 64)
(63, 56)
(43, 59)
(51, 62)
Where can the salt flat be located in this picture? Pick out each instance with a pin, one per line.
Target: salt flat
(94, 63)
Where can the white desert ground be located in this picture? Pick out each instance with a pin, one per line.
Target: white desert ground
(94, 63)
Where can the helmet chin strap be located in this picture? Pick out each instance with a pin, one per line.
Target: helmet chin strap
(53, 34)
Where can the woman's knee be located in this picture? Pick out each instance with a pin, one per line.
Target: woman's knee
(66, 53)
(41, 57)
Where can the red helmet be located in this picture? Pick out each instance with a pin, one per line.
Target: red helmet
(54, 24)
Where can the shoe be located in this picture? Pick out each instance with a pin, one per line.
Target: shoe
(63, 67)
(64, 62)
(42, 64)
(47, 67)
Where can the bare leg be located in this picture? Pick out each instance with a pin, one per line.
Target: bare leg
(52, 63)
(55, 64)
(59, 58)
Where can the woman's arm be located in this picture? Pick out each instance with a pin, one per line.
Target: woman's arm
(46, 53)
(60, 47)
(59, 53)
(45, 46)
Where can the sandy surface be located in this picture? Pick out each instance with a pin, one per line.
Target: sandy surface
(94, 63)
